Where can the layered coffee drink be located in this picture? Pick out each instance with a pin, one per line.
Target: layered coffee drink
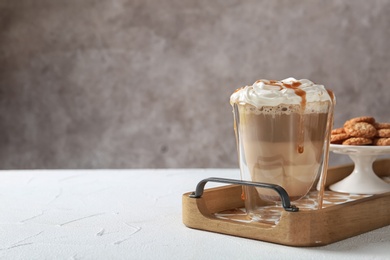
(281, 129)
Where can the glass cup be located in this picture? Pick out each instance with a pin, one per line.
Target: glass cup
(285, 144)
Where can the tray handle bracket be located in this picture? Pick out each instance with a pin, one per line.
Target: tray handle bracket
(280, 190)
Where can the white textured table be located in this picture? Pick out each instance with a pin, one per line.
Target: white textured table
(133, 214)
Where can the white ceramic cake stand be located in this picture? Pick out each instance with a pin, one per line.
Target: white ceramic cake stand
(362, 180)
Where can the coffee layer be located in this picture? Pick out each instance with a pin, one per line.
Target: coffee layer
(269, 141)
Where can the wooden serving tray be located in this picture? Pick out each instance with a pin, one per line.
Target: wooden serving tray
(303, 228)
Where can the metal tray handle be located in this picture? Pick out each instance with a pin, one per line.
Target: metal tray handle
(282, 192)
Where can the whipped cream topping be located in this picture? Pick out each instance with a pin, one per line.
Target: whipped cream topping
(273, 93)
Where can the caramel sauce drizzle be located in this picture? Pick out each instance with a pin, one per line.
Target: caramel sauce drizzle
(276, 83)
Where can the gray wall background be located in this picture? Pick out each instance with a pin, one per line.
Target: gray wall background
(146, 84)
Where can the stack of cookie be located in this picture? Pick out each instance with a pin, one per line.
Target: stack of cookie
(362, 131)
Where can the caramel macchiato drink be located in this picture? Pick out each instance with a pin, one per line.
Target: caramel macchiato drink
(282, 133)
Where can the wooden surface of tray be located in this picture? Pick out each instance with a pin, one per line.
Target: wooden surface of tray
(334, 222)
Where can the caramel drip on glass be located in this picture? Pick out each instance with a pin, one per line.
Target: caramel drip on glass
(301, 130)
(243, 197)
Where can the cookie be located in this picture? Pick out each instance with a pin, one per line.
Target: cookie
(338, 138)
(381, 141)
(338, 131)
(360, 129)
(366, 119)
(357, 141)
(382, 125)
(383, 133)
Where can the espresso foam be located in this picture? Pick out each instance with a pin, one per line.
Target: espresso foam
(287, 109)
